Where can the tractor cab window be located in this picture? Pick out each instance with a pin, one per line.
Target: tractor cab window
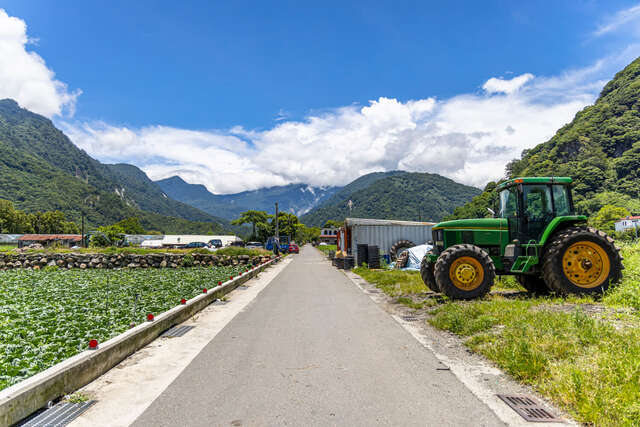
(561, 200)
(509, 203)
(537, 202)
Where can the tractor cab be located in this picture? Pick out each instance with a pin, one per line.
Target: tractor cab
(530, 204)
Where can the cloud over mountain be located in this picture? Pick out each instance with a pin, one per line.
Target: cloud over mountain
(469, 137)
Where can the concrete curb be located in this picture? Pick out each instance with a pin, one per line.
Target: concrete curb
(26, 397)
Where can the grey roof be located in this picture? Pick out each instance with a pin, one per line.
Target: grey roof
(367, 221)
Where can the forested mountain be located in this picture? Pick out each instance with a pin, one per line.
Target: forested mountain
(394, 195)
(294, 198)
(599, 149)
(42, 170)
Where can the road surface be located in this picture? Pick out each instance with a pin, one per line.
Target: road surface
(313, 349)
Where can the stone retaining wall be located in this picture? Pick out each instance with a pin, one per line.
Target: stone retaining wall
(156, 260)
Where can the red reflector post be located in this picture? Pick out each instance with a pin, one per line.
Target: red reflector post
(150, 317)
(183, 301)
(204, 291)
(93, 344)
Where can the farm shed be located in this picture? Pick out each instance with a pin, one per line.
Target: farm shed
(383, 233)
(9, 239)
(49, 239)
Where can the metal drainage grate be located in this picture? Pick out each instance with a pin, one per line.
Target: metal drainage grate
(58, 415)
(242, 287)
(374, 291)
(176, 331)
(410, 318)
(528, 408)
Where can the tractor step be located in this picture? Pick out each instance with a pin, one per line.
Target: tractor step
(523, 263)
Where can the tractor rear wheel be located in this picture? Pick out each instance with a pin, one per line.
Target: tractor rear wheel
(581, 260)
(426, 271)
(398, 247)
(464, 272)
(533, 284)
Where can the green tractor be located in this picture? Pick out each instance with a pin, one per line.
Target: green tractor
(536, 236)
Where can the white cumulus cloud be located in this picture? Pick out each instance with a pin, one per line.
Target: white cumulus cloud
(25, 77)
(498, 85)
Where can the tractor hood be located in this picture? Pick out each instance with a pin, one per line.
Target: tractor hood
(477, 223)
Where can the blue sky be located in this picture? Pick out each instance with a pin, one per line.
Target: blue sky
(266, 93)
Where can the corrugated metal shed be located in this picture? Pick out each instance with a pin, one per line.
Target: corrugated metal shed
(385, 233)
(9, 239)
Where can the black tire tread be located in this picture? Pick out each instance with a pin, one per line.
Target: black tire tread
(397, 246)
(426, 272)
(533, 284)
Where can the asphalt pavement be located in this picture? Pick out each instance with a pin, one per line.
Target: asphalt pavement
(313, 349)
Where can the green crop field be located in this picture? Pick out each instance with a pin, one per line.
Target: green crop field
(49, 316)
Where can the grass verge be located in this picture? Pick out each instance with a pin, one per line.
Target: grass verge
(326, 248)
(582, 352)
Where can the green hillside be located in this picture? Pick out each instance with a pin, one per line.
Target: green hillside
(42, 170)
(599, 149)
(394, 195)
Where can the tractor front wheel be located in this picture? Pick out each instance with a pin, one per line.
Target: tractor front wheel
(581, 260)
(426, 271)
(533, 284)
(464, 272)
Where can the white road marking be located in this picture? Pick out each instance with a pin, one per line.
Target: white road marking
(128, 389)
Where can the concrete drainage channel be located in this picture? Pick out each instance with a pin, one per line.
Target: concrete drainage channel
(31, 395)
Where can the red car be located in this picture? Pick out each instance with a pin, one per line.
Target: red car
(293, 248)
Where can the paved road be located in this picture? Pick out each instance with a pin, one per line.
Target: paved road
(312, 349)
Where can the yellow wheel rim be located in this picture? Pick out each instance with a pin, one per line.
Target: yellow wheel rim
(466, 273)
(586, 264)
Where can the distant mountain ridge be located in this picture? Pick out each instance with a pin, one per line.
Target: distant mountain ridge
(41, 169)
(294, 198)
(394, 195)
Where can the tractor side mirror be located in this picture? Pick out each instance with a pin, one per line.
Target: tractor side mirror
(493, 213)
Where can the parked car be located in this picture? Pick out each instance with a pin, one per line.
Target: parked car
(215, 243)
(238, 243)
(254, 245)
(293, 248)
(196, 245)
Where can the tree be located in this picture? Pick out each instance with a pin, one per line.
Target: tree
(258, 219)
(332, 224)
(131, 226)
(607, 216)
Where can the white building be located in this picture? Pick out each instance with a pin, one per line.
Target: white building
(628, 222)
(171, 240)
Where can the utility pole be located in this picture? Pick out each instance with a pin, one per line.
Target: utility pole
(84, 245)
(277, 231)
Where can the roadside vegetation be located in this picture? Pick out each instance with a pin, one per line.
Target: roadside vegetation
(50, 315)
(581, 352)
(326, 248)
